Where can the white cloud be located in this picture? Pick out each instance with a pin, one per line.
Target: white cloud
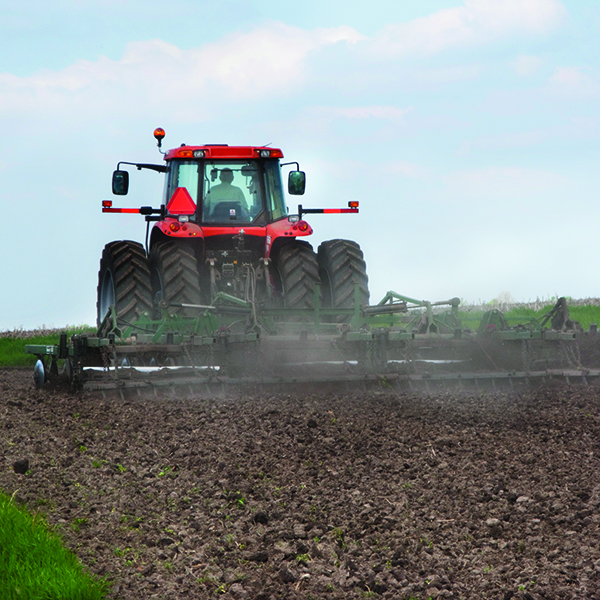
(265, 61)
(387, 113)
(474, 23)
(573, 81)
(449, 74)
(526, 66)
(568, 76)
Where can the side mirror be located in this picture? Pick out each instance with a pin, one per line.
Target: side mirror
(296, 183)
(120, 183)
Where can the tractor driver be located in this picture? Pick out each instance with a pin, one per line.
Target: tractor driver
(226, 194)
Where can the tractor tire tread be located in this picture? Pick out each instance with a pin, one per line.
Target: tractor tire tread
(178, 268)
(299, 272)
(128, 264)
(341, 267)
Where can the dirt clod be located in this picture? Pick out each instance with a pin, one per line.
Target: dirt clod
(286, 576)
(21, 466)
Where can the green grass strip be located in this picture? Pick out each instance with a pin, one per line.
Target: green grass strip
(12, 344)
(34, 565)
(585, 315)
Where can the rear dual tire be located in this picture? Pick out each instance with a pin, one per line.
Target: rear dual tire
(343, 273)
(174, 277)
(298, 273)
(124, 282)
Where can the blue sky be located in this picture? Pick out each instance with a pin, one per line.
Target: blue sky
(468, 131)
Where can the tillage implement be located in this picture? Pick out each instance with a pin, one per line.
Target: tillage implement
(226, 291)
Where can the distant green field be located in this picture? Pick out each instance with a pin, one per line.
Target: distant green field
(12, 343)
(585, 315)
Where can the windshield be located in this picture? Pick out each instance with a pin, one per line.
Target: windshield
(240, 191)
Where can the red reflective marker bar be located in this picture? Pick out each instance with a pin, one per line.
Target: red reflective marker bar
(106, 209)
(327, 211)
(144, 210)
(353, 208)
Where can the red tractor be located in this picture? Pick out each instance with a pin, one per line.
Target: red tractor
(223, 226)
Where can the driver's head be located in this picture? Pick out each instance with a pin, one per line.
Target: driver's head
(226, 175)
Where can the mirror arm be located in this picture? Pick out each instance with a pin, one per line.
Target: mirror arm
(140, 166)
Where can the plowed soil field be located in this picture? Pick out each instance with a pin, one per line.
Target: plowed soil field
(266, 496)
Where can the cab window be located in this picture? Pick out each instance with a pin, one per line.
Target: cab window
(184, 174)
(274, 189)
(241, 191)
(229, 193)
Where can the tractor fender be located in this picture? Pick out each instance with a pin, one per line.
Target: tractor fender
(172, 228)
(282, 230)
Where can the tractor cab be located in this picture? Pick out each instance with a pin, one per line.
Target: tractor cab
(227, 190)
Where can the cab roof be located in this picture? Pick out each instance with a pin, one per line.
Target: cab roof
(223, 151)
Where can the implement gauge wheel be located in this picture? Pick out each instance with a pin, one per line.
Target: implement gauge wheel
(124, 281)
(174, 275)
(341, 267)
(298, 272)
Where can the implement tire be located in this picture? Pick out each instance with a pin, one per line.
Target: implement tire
(341, 267)
(124, 281)
(298, 272)
(174, 276)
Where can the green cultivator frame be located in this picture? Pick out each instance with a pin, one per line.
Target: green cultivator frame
(399, 342)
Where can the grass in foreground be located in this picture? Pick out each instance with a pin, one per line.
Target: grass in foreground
(34, 565)
(12, 343)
